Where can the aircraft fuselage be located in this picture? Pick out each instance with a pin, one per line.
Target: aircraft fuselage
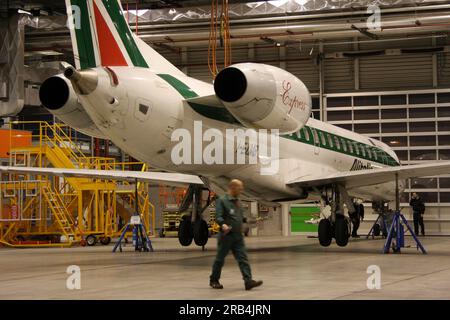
(140, 112)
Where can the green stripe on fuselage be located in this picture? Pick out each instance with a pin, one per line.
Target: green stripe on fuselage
(215, 113)
(178, 85)
(116, 14)
(382, 156)
(223, 115)
(83, 35)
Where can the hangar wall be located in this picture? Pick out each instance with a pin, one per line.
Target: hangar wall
(401, 97)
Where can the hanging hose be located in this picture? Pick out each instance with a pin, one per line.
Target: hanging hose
(212, 62)
(225, 27)
(219, 26)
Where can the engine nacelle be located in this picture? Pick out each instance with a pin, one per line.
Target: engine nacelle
(263, 96)
(57, 95)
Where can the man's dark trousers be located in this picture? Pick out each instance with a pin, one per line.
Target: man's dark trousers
(418, 220)
(233, 241)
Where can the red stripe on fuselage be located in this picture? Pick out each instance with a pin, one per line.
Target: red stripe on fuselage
(110, 53)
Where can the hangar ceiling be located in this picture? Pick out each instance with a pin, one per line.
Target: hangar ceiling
(305, 29)
(294, 34)
(176, 24)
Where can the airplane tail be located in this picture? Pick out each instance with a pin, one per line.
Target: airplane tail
(101, 36)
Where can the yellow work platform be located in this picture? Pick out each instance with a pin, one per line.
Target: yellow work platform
(43, 210)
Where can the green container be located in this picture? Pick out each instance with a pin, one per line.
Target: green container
(300, 214)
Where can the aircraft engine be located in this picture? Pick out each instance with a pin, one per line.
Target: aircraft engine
(57, 95)
(263, 96)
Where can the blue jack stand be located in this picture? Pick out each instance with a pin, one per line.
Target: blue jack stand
(397, 228)
(140, 236)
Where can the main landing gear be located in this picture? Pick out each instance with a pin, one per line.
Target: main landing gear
(336, 226)
(194, 227)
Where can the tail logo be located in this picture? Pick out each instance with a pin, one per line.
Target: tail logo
(102, 36)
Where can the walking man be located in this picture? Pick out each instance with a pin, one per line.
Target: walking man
(418, 207)
(229, 215)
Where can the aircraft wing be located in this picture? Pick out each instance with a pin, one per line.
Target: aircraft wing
(369, 177)
(163, 177)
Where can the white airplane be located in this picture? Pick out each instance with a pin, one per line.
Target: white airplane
(123, 90)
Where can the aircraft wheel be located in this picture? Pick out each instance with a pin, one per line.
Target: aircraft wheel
(91, 240)
(325, 232)
(342, 232)
(201, 232)
(185, 232)
(376, 230)
(105, 241)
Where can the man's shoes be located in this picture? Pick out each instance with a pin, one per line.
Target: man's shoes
(215, 285)
(355, 236)
(249, 285)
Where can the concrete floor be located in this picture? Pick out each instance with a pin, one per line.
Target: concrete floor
(292, 268)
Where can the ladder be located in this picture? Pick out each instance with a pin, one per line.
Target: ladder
(61, 215)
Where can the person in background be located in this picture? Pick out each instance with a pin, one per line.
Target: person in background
(418, 207)
(230, 216)
(357, 216)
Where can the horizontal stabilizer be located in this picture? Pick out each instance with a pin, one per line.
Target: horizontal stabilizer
(211, 101)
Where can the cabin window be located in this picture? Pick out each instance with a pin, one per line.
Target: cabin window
(369, 152)
(299, 134)
(375, 154)
(316, 136)
(142, 110)
(330, 140)
(338, 144)
(306, 132)
(344, 146)
(350, 146)
(322, 138)
(363, 151)
(356, 147)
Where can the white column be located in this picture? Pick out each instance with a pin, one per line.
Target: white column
(285, 219)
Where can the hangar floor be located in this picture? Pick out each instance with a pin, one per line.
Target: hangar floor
(292, 268)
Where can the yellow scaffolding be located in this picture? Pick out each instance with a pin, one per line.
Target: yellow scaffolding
(44, 210)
